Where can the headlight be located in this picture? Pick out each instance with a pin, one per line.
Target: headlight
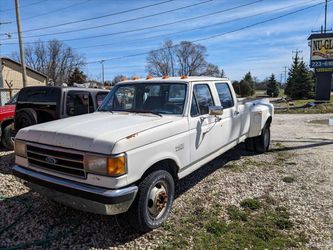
(20, 148)
(106, 165)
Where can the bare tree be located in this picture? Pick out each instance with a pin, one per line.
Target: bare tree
(117, 78)
(162, 61)
(213, 70)
(191, 58)
(185, 58)
(54, 59)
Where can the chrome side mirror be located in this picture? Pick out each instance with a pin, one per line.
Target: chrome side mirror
(215, 110)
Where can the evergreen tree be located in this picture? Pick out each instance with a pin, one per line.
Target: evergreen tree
(272, 87)
(246, 86)
(77, 76)
(250, 80)
(300, 84)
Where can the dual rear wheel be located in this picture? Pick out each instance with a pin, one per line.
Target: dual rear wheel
(259, 144)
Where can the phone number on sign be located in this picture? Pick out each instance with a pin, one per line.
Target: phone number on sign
(321, 64)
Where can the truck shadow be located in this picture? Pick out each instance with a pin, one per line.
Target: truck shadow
(7, 160)
(33, 221)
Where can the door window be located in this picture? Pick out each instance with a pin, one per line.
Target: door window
(78, 103)
(100, 97)
(225, 95)
(203, 97)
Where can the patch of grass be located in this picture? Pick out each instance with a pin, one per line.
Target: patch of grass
(234, 167)
(267, 228)
(283, 223)
(236, 214)
(252, 204)
(288, 179)
(323, 121)
(323, 108)
(252, 162)
(279, 145)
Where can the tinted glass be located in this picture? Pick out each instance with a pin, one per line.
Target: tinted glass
(203, 97)
(194, 107)
(100, 97)
(39, 94)
(224, 95)
(78, 103)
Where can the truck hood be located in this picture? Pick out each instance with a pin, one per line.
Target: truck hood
(97, 132)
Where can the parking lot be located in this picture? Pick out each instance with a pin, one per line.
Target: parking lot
(297, 174)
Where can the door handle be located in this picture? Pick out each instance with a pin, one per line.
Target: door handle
(236, 113)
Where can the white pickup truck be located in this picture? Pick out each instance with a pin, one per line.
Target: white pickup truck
(146, 135)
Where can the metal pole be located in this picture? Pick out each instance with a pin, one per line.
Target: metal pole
(102, 62)
(285, 74)
(18, 21)
(325, 16)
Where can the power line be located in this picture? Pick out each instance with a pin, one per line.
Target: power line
(56, 10)
(192, 29)
(120, 22)
(24, 6)
(154, 26)
(217, 35)
(95, 18)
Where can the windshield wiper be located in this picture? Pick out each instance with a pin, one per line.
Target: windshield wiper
(144, 111)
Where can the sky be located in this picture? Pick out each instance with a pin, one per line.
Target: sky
(237, 34)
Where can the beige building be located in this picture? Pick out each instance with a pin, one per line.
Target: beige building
(11, 78)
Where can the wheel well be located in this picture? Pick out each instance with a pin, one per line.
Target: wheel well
(269, 120)
(5, 123)
(167, 164)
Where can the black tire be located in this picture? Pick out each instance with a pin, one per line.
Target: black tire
(249, 144)
(6, 138)
(143, 214)
(262, 142)
(25, 118)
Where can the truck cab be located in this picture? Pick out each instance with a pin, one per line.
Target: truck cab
(43, 104)
(146, 135)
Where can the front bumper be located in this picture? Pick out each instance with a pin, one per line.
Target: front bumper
(77, 195)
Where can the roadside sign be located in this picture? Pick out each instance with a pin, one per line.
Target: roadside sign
(321, 46)
(320, 70)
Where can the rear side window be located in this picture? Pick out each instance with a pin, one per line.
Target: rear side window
(225, 95)
(203, 98)
(78, 103)
(39, 94)
(100, 97)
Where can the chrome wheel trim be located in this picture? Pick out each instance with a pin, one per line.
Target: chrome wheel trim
(158, 200)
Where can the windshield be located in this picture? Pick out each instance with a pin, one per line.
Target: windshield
(159, 98)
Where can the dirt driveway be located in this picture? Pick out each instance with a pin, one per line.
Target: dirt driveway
(296, 175)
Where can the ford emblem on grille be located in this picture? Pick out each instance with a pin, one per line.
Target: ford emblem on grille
(50, 160)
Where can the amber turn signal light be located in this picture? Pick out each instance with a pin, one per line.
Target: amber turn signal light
(116, 166)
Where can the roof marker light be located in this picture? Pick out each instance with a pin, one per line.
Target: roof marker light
(165, 77)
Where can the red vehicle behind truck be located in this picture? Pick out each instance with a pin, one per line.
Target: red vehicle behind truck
(7, 114)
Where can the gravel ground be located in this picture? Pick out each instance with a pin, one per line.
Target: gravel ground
(300, 149)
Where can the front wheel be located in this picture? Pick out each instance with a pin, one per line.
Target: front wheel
(154, 201)
(7, 136)
(262, 142)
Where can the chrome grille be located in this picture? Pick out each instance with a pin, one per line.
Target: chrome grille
(56, 159)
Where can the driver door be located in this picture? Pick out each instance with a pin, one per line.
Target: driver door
(204, 128)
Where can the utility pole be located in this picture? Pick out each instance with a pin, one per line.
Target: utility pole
(324, 29)
(18, 21)
(281, 78)
(102, 62)
(325, 16)
(285, 74)
(297, 52)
